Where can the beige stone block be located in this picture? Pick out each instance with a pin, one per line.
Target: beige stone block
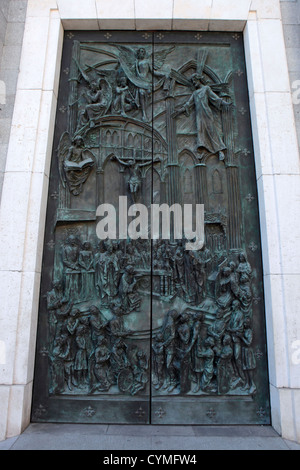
(266, 8)
(276, 329)
(4, 401)
(80, 24)
(253, 58)
(115, 9)
(279, 200)
(188, 24)
(116, 14)
(282, 135)
(21, 150)
(192, 9)
(289, 420)
(156, 9)
(283, 329)
(13, 220)
(269, 225)
(153, 24)
(230, 9)
(275, 408)
(226, 25)
(76, 9)
(287, 202)
(115, 23)
(36, 212)
(9, 296)
(291, 294)
(45, 132)
(274, 134)
(27, 326)
(33, 56)
(40, 8)
(19, 409)
(273, 55)
(260, 133)
(53, 55)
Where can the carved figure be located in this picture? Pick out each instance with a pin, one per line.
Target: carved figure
(75, 162)
(135, 178)
(244, 273)
(169, 334)
(124, 101)
(139, 69)
(81, 359)
(109, 272)
(224, 365)
(130, 299)
(102, 366)
(158, 360)
(217, 329)
(208, 135)
(58, 308)
(98, 98)
(207, 353)
(86, 263)
(71, 267)
(248, 358)
(60, 373)
(236, 328)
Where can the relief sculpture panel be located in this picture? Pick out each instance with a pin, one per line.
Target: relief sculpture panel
(134, 319)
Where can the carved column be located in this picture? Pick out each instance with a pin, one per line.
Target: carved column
(201, 184)
(174, 190)
(234, 197)
(234, 207)
(73, 95)
(173, 167)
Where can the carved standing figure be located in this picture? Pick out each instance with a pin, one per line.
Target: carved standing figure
(135, 178)
(248, 358)
(208, 135)
(169, 334)
(86, 263)
(236, 328)
(158, 360)
(207, 353)
(130, 299)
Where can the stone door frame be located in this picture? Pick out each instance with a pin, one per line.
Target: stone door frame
(25, 186)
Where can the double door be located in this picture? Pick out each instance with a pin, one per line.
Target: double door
(134, 326)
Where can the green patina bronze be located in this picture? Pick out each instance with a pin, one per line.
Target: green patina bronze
(139, 331)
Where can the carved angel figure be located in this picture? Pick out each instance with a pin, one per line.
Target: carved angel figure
(140, 69)
(98, 99)
(75, 162)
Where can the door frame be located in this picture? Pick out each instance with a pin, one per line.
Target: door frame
(25, 184)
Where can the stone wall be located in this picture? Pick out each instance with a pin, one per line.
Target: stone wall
(12, 21)
(25, 187)
(290, 11)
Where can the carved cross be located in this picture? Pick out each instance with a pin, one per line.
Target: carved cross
(160, 413)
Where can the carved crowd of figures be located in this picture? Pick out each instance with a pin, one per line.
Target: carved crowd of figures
(89, 353)
(114, 268)
(193, 355)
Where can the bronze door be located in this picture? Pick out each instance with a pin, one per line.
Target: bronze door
(135, 328)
